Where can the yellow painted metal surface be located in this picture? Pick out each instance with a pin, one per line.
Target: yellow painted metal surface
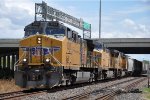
(68, 54)
(97, 58)
(65, 52)
(122, 62)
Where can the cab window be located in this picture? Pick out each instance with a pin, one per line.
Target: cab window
(29, 32)
(53, 31)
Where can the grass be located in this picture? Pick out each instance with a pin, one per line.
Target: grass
(8, 86)
(146, 93)
(146, 90)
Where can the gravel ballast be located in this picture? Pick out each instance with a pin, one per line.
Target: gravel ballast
(72, 92)
(133, 96)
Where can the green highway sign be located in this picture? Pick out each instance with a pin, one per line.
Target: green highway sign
(86, 26)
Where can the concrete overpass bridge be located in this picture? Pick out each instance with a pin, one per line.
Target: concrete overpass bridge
(8, 56)
(127, 45)
(9, 48)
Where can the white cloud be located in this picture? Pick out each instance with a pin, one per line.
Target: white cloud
(20, 4)
(10, 33)
(144, 28)
(128, 23)
(127, 28)
(5, 23)
(14, 15)
(140, 30)
(140, 57)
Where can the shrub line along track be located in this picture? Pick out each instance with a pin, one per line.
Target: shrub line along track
(24, 93)
(109, 94)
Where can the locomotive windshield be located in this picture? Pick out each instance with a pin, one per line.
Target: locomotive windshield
(98, 46)
(31, 31)
(55, 31)
(47, 28)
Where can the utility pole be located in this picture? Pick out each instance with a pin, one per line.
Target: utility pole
(100, 19)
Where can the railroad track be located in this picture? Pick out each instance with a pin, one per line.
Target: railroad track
(115, 92)
(108, 94)
(19, 94)
(24, 93)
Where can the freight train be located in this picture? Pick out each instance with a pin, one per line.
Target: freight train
(135, 67)
(51, 54)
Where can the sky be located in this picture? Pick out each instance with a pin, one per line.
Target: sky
(120, 18)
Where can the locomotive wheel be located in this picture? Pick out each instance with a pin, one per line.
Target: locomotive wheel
(68, 82)
(91, 79)
(96, 76)
(53, 79)
(104, 74)
(119, 73)
(115, 73)
(72, 79)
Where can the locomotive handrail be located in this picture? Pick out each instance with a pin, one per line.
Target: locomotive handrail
(55, 59)
(96, 63)
(18, 61)
(58, 63)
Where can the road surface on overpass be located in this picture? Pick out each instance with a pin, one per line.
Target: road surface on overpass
(9, 46)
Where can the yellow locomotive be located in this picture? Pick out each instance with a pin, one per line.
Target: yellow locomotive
(52, 54)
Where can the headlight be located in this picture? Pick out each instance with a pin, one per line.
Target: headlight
(47, 60)
(24, 60)
(39, 42)
(39, 39)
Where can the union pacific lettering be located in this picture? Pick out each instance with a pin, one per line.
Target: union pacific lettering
(37, 51)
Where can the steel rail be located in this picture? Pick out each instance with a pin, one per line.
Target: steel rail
(126, 88)
(104, 96)
(18, 94)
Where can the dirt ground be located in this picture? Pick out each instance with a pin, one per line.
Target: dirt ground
(8, 86)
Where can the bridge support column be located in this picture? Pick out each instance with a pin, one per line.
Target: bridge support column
(4, 62)
(12, 64)
(13, 61)
(8, 62)
(0, 62)
(17, 57)
(8, 67)
(3, 71)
